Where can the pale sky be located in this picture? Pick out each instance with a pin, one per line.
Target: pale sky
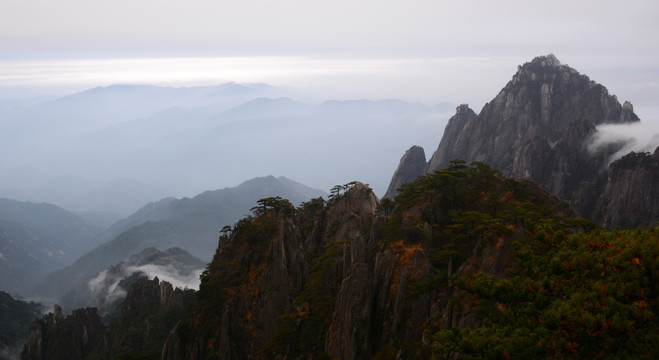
(431, 51)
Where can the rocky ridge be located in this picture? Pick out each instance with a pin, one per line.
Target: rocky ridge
(150, 310)
(539, 126)
(344, 280)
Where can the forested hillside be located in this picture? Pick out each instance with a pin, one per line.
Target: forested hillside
(463, 262)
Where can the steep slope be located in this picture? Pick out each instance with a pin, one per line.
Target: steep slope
(150, 310)
(412, 165)
(56, 337)
(543, 99)
(191, 224)
(148, 314)
(540, 126)
(631, 196)
(261, 269)
(463, 262)
(352, 279)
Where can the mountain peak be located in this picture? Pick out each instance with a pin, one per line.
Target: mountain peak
(412, 164)
(537, 126)
(546, 60)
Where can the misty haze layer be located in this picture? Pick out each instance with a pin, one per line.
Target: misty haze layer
(116, 148)
(637, 137)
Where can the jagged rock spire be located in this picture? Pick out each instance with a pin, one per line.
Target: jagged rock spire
(412, 164)
(538, 126)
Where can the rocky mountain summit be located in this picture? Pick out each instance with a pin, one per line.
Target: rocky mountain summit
(412, 164)
(539, 126)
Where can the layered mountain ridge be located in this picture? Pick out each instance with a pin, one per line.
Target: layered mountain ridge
(355, 278)
(463, 262)
(540, 126)
(36, 239)
(189, 223)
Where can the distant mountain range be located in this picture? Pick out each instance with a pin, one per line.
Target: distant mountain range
(191, 224)
(83, 151)
(463, 261)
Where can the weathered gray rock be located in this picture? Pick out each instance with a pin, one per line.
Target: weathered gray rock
(631, 195)
(349, 331)
(458, 138)
(539, 126)
(412, 165)
(542, 100)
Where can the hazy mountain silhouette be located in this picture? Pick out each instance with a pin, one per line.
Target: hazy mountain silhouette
(36, 239)
(191, 224)
(181, 141)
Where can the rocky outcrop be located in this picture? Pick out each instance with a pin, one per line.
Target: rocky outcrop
(72, 337)
(147, 296)
(349, 327)
(631, 196)
(343, 280)
(412, 164)
(543, 99)
(457, 139)
(108, 289)
(149, 312)
(539, 126)
(252, 280)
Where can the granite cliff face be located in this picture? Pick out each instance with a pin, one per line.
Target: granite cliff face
(260, 270)
(352, 279)
(543, 99)
(412, 164)
(631, 196)
(540, 126)
(148, 313)
(58, 337)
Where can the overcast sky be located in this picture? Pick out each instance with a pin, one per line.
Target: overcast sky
(431, 51)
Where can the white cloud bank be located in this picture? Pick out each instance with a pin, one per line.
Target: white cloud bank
(642, 136)
(105, 289)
